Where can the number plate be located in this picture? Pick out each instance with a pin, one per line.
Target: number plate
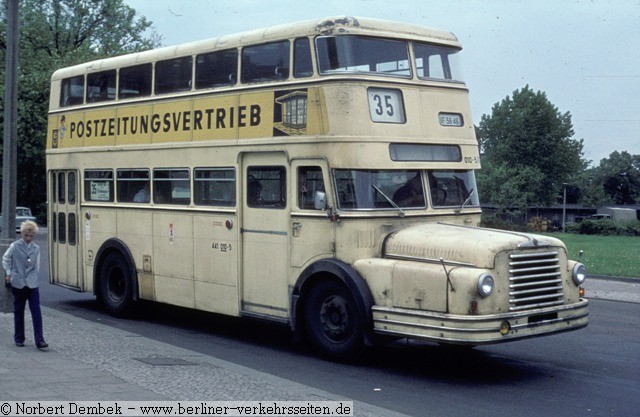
(386, 106)
(450, 119)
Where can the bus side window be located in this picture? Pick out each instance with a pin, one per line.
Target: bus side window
(266, 187)
(302, 64)
(72, 91)
(309, 182)
(98, 185)
(214, 187)
(216, 69)
(135, 81)
(171, 186)
(174, 75)
(268, 62)
(133, 185)
(101, 86)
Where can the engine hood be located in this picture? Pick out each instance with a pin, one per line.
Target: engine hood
(455, 244)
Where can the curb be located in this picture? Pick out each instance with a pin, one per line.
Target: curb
(614, 278)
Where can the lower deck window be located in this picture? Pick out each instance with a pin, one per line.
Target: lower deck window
(171, 186)
(214, 187)
(133, 186)
(98, 185)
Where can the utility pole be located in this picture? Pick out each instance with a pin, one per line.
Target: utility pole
(10, 144)
(564, 206)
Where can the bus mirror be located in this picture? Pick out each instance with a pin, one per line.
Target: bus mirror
(320, 200)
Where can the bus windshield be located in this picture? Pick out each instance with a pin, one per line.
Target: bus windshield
(361, 54)
(379, 189)
(437, 62)
(392, 189)
(453, 188)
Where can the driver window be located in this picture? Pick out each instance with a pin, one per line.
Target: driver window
(309, 182)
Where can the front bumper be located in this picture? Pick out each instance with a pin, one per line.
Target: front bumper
(481, 329)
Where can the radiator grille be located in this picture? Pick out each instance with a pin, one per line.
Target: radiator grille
(534, 280)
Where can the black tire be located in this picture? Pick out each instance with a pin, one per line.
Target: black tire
(116, 285)
(332, 322)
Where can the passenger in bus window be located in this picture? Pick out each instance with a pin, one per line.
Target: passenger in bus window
(410, 194)
(142, 196)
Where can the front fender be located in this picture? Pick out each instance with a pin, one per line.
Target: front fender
(334, 269)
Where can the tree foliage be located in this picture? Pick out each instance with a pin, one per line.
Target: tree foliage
(528, 151)
(615, 181)
(55, 34)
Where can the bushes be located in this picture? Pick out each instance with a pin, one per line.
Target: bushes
(605, 227)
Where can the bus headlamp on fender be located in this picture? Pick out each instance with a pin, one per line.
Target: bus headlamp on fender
(485, 285)
(579, 274)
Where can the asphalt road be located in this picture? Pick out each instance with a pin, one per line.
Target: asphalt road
(593, 371)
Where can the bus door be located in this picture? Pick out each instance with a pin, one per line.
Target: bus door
(265, 234)
(64, 261)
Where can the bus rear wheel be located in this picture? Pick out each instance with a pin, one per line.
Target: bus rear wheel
(333, 324)
(116, 286)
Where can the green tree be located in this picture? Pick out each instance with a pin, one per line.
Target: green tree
(510, 189)
(55, 34)
(591, 191)
(616, 180)
(527, 151)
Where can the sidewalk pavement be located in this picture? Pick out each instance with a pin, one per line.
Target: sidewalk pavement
(89, 361)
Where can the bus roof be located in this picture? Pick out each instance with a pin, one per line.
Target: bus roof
(327, 26)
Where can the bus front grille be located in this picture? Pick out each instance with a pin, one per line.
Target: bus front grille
(534, 280)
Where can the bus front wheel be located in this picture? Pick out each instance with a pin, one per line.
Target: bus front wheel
(332, 322)
(116, 287)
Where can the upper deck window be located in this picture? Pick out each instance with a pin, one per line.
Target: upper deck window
(217, 69)
(72, 91)
(360, 54)
(135, 81)
(302, 63)
(101, 86)
(174, 75)
(267, 62)
(437, 62)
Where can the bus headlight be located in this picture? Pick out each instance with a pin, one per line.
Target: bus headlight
(485, 285)
(579, 274)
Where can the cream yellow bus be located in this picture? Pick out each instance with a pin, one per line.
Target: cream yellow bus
(318, 174)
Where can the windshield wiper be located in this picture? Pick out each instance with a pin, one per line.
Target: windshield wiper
(467, 200)
(390, 201)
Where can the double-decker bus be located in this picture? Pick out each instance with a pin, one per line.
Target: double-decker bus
(318, 174)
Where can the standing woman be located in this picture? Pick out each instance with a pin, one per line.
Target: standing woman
(21, 263)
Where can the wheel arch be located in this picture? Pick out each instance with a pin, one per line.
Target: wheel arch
(117, 246)
(345, 274)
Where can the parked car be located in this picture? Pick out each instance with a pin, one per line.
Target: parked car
(22, 215)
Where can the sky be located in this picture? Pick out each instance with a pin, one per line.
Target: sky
(583, 54)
